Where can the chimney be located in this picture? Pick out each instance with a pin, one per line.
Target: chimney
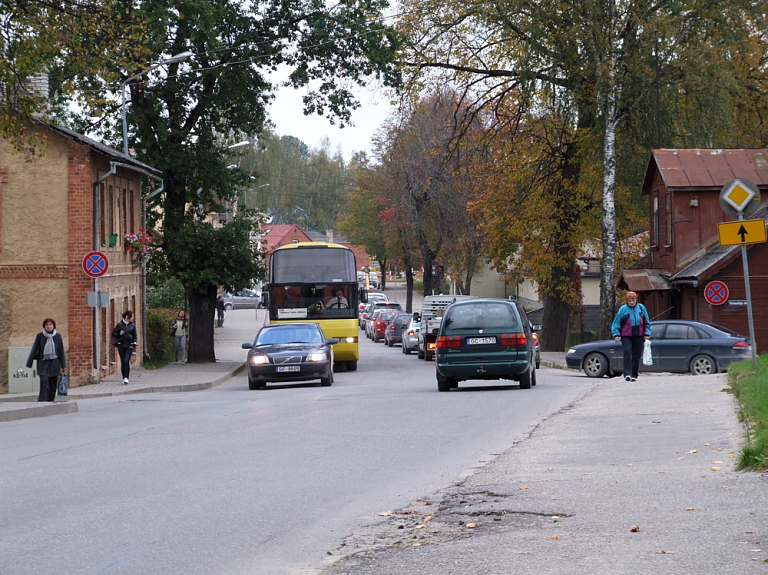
(329, 236)
(36, 86)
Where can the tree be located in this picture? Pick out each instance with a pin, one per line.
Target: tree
(179, 112)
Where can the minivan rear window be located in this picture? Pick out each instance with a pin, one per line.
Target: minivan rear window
(481, 315)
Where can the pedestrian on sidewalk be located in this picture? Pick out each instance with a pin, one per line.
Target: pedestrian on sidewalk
(48, 351)
(633, 327)
(125, 340)
(220, 310)
(179, 331)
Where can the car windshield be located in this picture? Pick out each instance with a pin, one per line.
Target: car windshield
(289, 334)
(386, 316)
(481, 315)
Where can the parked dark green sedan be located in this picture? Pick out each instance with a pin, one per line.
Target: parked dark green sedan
(678, 346)
(485, 339)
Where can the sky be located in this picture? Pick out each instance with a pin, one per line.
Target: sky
(287, 115)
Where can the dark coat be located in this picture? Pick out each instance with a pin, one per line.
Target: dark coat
(49, 367)
(124, 335)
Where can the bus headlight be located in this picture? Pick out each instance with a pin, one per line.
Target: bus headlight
(258, 359)
(350, 339)
(317, 356)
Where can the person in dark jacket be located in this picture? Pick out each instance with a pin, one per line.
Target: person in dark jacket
(48, 351)
(220, 310)
(632, 326)
(125, 340)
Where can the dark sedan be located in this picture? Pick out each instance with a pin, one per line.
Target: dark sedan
(678, 346)
(290, 352)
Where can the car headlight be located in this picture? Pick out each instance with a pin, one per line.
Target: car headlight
(570, 351)
(258, 359)
(317, 356)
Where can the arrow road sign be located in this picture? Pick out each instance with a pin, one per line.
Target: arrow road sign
(716, 293)
(742, 232)
(95, 264)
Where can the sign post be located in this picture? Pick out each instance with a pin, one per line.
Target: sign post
(737, 197)
(95, 265)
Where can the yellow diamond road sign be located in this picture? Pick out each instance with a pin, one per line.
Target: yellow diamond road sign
(742, 233)
(738, 195)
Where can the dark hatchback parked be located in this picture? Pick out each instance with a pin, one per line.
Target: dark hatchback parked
(290, 352)
(397, 325)
(678, 346)
(485, 339)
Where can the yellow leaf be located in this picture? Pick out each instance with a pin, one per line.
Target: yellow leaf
(550, 468)
(555, 538)
(385, 513)
(634, 528)
(690, 509)
(714, 468)
(429, 518)
(692, 451)
(471, 525)
(420, 527)
(706, 445)
(679, 458)
(523, 487)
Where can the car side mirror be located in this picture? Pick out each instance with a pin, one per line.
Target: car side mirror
(417, 316)
(434, 331)
(536, 327)
(332, 341)
(363, 295)
(248, 345)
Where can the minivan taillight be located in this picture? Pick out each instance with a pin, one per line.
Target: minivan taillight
(513, 339)
(449, 341)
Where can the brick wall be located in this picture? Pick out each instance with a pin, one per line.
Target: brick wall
(80, 216)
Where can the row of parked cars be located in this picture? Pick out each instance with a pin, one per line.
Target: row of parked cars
(485, 339)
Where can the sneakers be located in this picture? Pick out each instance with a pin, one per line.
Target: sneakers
(633, 379)
(125, 381)
(627, 378)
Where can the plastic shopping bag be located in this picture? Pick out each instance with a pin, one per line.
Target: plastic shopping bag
(647, 355)
(63, 384)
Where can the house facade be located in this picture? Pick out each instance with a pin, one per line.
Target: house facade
(683, 188)
(78, 196)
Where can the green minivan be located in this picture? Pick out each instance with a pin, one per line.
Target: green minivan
(485, 339)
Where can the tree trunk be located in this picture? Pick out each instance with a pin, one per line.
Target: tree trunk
(409, 289)
(607, 286)
(556, 314)
(202, 312)
(382, 274)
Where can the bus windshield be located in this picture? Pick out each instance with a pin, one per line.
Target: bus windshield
(312, 265)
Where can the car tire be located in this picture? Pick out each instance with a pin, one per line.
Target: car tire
(228, 306)
(420, 354)
(526, 379)
(406, 350)
(703, 365)
(443, 383)
(389, 343)
(533, 378)
(595, 365)
(375, 338)
(352, 365)
(253, 384)
(327, 381)
(429, 356)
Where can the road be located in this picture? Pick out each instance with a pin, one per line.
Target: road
(232, 481)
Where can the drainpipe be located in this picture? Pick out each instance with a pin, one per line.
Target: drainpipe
(144, 201)
(97, 319)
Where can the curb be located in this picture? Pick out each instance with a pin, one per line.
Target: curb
(27, 412)
(555, 365)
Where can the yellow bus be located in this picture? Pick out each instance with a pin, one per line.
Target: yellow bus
(317, 282)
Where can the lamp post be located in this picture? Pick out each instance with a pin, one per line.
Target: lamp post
(172, 60)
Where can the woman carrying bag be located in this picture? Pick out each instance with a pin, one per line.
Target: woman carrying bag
(48, 351)
(633, 327)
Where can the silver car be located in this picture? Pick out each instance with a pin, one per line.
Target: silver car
(411, 337)
(244, 299)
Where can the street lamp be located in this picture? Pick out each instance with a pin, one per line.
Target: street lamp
(172, 60)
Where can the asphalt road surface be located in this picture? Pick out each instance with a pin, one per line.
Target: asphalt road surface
(231, 481)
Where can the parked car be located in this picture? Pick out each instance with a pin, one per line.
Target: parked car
(372, 297)
(485, 339)
(677, 346)
(290, 352)
(536, 348)
(411, 336)
(393, 305)
(244, 299)
(370, 322)
(380, 324)
(394, 331)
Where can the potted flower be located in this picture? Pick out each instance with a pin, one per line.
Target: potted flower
(138, 243)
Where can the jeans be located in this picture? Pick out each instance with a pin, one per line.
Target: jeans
(220, 317)
(180, 342)
(633, 352)
(125, 354)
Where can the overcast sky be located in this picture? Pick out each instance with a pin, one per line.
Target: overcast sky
(286, 113)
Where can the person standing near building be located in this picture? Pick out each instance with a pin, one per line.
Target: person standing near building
(179, 330)
(125, 340)
(48, 351)
(220, 310)
(633, 327)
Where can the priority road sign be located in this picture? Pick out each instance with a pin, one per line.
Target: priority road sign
(716, 293)
(95, 264)
(740, 198)
(742, 232)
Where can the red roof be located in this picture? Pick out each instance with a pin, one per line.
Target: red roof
(707, 168)
(274, 234)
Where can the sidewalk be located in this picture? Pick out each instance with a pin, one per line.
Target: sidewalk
(239, 326)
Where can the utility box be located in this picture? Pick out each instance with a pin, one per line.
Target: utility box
(21, 379)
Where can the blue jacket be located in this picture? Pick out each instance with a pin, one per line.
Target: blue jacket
(628, 317)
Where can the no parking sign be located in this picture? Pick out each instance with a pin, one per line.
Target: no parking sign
(716, 293)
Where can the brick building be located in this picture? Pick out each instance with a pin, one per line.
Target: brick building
(78, 196)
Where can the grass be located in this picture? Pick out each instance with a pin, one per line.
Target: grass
(750, 387)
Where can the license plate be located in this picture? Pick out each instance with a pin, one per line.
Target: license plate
(480, 340)
(289, 368)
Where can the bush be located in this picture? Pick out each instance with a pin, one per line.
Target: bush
(160, 342)
(748, 386)
(168, 295)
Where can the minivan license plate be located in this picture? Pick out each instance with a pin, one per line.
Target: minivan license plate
(289, 368)
(480, 340)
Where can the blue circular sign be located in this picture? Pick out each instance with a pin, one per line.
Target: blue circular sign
(95, 264)
(716, 293)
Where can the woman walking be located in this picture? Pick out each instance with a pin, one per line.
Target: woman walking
(633, 327)
(124, 339)
(48, 351)
(180, 336)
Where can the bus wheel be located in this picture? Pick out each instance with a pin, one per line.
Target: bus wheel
(352, 366)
